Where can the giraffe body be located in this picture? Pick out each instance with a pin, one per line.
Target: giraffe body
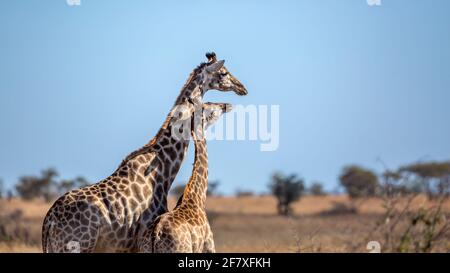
(186, 228)
(112, 215)
(107, 216)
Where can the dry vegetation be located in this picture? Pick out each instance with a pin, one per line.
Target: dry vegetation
(251, 224)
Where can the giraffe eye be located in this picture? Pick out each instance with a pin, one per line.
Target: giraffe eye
(223, 74)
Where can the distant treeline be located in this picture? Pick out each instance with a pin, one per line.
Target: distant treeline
(47, 185)
(431, 178)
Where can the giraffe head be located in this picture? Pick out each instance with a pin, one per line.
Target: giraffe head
(193, 116)
(213, 111)
(218, 77)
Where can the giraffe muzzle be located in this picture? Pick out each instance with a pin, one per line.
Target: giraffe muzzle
(239, 88)
(227, 107)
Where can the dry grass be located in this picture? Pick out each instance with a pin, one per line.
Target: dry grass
(250, 224)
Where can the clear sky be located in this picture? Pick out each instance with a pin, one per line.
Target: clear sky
(82, 86)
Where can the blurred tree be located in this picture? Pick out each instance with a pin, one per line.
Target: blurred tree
(316, 189)
(359, 182)
(443, 186)
(81, 182)
(435, 177)
(391, 184)
(243, 193)
(2, 189)
(177, 190)
(9, 195)
(211, 191)
(67, 185)
(286, 189)
(46, 185)
(30, 187)
(212, 188)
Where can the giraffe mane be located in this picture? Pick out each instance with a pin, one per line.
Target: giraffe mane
(191, 77)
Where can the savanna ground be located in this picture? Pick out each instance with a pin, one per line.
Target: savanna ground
(251, 224)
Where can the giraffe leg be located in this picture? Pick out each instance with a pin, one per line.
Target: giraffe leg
(209, 246)
(46, 230)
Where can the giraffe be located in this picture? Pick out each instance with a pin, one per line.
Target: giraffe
(109, 216)
(186, 229)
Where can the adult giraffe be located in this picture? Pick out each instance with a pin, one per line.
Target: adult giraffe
(109, 216)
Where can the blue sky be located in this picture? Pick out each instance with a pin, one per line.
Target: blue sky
(81, 87)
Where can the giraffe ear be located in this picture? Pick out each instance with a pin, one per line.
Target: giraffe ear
(215, 66)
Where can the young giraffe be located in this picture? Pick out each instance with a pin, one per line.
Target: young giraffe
(109, 216)
(186, 228)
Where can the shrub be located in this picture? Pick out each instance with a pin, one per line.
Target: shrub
(286, 189)
(359, 182)
(316, 189)
(244, 193)
(30, 187)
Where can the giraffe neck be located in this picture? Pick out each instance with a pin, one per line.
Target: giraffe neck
(192, 90)
(195, 192)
